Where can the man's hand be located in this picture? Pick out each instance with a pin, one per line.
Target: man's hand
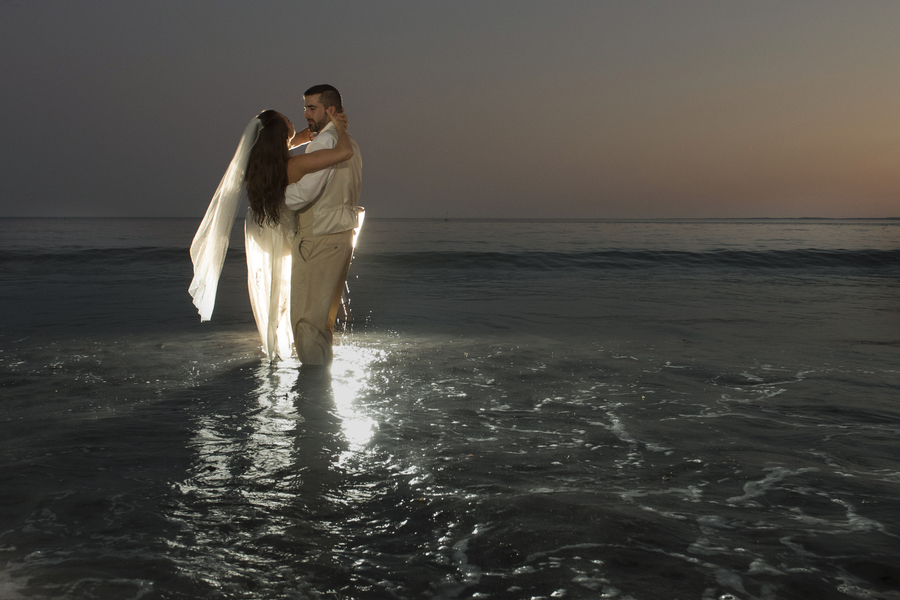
(300, 138)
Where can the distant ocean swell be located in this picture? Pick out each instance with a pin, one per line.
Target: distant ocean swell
(642, 259)
(869, 260)
(109, 256)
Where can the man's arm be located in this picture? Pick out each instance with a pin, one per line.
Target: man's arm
(309, 188)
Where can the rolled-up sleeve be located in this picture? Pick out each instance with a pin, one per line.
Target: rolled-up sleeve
(309, 188)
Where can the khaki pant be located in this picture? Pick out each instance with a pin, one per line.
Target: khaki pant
(319, 270)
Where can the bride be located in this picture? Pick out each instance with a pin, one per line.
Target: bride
(261, 169)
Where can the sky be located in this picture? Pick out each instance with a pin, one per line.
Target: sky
(463, 109)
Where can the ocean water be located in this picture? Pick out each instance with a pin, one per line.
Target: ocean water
(691, 409)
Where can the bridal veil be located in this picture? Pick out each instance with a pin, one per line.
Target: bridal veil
(211, 241)
(267, 249)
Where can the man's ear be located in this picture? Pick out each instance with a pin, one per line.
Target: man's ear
(331, 110)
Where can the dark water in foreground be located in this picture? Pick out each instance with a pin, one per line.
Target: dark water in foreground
(672, 409)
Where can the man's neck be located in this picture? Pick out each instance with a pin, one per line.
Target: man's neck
(328, 126)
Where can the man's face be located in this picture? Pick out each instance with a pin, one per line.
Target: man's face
(314, 112)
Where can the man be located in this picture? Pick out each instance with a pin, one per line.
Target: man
(327, 213)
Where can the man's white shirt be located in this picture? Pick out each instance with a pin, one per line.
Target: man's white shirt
(309, 188)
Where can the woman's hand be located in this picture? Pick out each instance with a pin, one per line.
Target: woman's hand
(339, 120)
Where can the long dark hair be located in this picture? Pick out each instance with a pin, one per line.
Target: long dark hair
(266, 175)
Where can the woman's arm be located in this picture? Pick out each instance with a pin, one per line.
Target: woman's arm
(304, 164)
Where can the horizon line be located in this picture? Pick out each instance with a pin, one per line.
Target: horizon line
(241, 218)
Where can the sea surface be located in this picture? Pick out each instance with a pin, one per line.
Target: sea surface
(671, 409)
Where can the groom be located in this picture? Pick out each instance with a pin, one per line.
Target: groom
(327, 212)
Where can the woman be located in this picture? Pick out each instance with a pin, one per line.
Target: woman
(261, 168)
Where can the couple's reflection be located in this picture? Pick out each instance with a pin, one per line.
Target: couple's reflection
(316, 411)
(318, 443)
(274, 477)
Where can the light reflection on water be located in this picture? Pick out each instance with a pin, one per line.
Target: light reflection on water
(350, 373)
(273, 476)
(272, 434)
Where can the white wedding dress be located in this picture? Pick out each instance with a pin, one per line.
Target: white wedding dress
(268, 252)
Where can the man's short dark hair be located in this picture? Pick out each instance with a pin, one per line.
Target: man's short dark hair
(328, 96)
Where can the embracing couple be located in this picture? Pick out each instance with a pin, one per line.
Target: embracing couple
(299, 232)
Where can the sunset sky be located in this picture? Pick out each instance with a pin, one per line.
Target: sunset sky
(521, 108)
